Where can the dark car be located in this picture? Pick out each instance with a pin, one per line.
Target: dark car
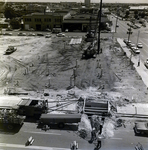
(40, 34)
(10, 50)
(146, 63)
(141, 128)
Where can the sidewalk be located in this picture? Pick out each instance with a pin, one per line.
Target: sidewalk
(135, 108)
(142, 70)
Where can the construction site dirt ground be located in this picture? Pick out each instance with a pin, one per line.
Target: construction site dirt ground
(49, 64)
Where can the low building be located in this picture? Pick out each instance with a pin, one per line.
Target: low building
(83, 22)
(42, 21)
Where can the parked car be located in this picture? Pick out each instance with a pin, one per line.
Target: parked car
(131, 45)
(66, 30)
(21, 34)
(40, 34)
(128, 43)
(10, 50)
(60, 35)
(31, 29)
(47, 35)
(31, 34)
(135, 50)
(146, 63)
(139, 45)
(117, 25)
(47, 29)
(141, 128)
(125, 41)
(7, 33)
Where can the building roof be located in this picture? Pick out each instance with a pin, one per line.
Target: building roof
(138, 7)
(9, 101)
(46, 14)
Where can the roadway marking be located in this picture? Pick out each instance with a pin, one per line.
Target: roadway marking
(31, 147)
(42, 133)
(116, 138)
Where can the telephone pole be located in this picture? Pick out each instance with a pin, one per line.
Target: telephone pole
(99, 15)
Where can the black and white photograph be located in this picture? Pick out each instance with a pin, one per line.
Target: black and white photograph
(73, 75)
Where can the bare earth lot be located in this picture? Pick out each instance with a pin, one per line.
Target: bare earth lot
(48, 63)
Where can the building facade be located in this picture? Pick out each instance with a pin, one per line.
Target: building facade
(42, 21)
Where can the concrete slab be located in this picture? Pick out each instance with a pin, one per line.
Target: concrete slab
(134, 108)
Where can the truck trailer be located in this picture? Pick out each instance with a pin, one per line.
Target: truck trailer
(60, 119)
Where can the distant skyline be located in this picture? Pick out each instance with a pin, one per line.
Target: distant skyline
(92, 1)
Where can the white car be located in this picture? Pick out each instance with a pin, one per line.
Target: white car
(47, 35)
(21, 34)
(7, 33)
(135, 50)
(131, 45)
(61, 35)
(141, 128)
(31, 34)
(139, 45)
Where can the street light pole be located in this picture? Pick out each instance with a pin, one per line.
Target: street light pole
(129, 32)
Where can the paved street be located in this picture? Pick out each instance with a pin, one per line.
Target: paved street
(61, 139)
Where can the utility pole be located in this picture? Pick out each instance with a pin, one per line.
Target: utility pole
(138, 37)
(99, 15)
(137, 44)
(116, 24)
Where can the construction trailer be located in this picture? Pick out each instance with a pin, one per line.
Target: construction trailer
(59, 119)
(100, 108)
(32, 107)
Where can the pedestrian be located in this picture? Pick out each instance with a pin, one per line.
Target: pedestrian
(93, 135)
(45, 128)
(99, 142)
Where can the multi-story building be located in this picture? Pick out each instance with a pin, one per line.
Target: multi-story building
(41, 21)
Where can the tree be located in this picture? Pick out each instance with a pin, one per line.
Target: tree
(127, 13)
(9, 12)
(15, 23)
(136, 14)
